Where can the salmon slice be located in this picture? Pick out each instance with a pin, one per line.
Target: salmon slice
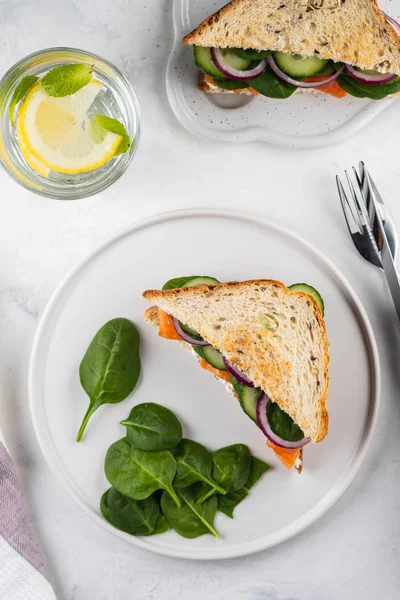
(166, 326)
(332, 88)
(286, 456)
(221, 374)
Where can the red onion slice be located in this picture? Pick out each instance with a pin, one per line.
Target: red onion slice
(301, 84)
(266, 428)
(187, 338)
(233, 73)
(370, 79)
(236, 373)
(392, 21)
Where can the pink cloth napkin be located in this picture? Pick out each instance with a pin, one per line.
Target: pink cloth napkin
(23, 573)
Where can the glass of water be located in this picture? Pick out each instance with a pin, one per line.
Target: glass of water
(47, 144)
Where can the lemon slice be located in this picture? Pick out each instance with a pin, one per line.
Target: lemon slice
(32, 161)
(55, 133)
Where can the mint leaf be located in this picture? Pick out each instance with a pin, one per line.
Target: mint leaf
(102, 123)
(66, 80)
(21, 90)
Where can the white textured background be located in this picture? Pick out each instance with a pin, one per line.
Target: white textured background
(352, 553)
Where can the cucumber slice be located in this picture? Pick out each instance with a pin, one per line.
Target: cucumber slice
(299, 66)
(308, 289)
(251, 54)
(248, 397)
(237, 62)
(248, 401)
(190, 331)
(204, 61)
(201, 281)
(213, 357)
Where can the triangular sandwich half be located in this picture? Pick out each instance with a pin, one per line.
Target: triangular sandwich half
(353, 33)
(274, 337)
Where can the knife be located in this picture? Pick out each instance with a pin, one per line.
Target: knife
(388, 264)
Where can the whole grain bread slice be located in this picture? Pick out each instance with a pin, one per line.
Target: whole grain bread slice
(275, 336)
(349, 31)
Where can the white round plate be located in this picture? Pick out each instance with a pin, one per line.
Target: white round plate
(109, 284)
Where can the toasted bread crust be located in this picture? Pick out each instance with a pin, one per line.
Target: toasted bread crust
(356, 32)
(266, 374)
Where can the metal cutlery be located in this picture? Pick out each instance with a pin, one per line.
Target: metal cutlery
(368, 185)
(370, 226)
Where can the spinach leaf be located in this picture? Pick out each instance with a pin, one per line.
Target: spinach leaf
(282, 424)
(228, 503)
(231, 466)
(257, 469)
(231, 84)
(193, 463)
(137, 517)
(236, 384)
(136, 473)
(198, 351)
(177, 282)
(152, 427)
(190, 520)
(104, 506)
(110, 368)
(231, 469)
(347, 85)
(269, 85)
(363, 90)
(162, 525)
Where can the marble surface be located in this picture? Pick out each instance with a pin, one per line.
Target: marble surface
(353, 552)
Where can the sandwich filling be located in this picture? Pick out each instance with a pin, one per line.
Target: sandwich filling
(281, 74)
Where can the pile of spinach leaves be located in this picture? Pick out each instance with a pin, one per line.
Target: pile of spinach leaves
(160, 480)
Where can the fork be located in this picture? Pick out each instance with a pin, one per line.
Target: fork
(370, 226)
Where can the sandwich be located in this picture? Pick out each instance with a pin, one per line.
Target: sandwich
(265, 342)
(279, 47)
